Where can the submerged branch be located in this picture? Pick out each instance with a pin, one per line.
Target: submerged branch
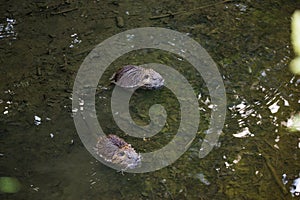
(277, 179)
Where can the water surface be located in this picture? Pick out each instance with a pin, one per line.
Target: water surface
(43, 43)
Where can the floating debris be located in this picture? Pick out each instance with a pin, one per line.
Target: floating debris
(274, 107)
(293, 123)
(7, 29)
(75, 41)
(199, 96)
(131, 76)
(37, 120)
(241, 7)
(237, 160)
(295, 188)
(277, 138)
(244, 133)
(263, 73)
(9, 92)
(35, 188)
(286, 103)
(284, 179)
(116, 151)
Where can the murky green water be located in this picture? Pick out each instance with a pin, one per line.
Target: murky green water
(43, 44)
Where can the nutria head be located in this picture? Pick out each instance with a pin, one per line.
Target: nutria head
(152, 79)
(127, 158)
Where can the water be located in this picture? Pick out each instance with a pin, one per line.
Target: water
(46, 41)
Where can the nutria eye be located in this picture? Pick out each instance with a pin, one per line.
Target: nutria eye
(121, 153)
(146, 76)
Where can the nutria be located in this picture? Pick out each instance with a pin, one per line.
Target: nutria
(132, 76)
(116, 151)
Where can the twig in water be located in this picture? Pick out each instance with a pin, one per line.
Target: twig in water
(186, 12)
(64, 11)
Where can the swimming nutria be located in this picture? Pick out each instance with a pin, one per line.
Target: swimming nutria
(132, 76)
(115, 150)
